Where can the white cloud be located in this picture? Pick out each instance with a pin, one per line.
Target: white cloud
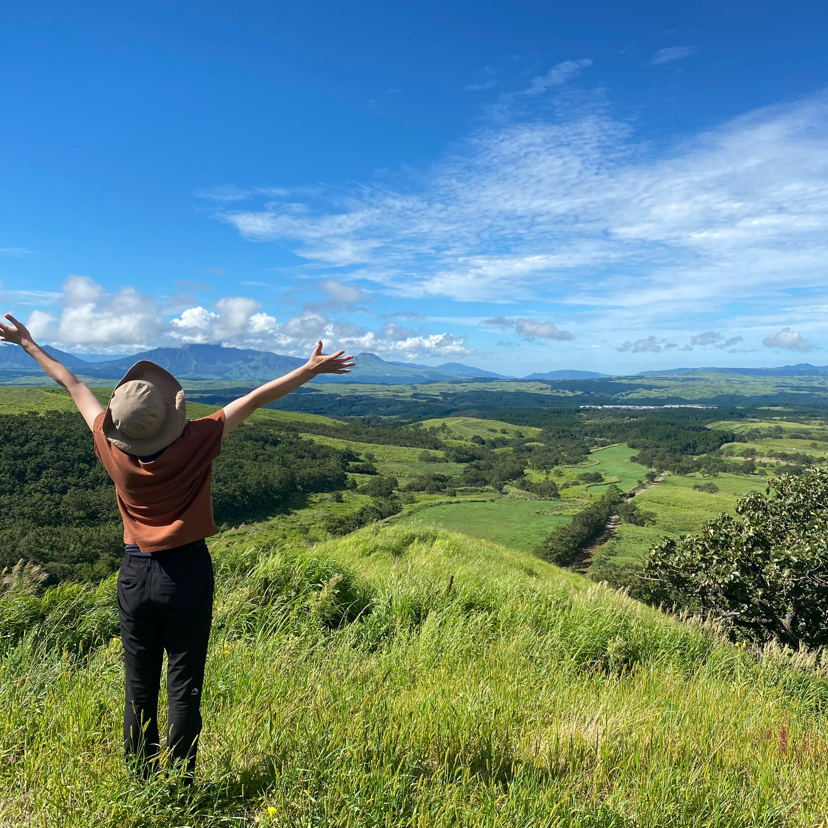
(92, 315)
(671, 53)
(194, 324)
(557, 75)
(395, 332)
(649, 345)
(435, 345)
(235, 313)
(476, 87)
(338, 296)
(574, 211)
(529, 329)
(705, 339)
(15, 252)
(790, 341)
(230, 192)
(80, 290)
(717, 340)
(91, 319)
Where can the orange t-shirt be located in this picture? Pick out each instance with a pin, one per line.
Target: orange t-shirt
(166, 503)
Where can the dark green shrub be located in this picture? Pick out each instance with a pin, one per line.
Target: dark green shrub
(764, 573)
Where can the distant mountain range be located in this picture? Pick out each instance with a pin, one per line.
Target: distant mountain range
(803, 369)
(212, 362)
(566, 374)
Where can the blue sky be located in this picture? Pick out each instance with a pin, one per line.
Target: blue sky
(524, 186)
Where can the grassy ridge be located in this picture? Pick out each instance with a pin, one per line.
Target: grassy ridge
(348, 687)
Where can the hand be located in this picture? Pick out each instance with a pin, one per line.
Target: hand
(17, 332)
(320, 363)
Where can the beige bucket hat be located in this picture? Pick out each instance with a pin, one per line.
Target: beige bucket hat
(146, 411)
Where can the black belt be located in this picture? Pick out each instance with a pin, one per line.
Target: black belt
(187, 548)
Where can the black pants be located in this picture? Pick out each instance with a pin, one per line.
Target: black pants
(165, 602)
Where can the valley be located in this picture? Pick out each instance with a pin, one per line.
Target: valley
(388, 638)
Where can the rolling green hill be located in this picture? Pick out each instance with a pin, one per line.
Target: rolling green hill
(349, 686)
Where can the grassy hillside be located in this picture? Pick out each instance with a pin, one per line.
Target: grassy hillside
(517, 524)
(677, 509)
(347, 686)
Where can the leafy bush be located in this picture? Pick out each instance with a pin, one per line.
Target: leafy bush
(709, 488)
(546, 489)
(764, 573)
(374, 511)
(629, 512)
(379, 486)
(430, 483)
(466, 453)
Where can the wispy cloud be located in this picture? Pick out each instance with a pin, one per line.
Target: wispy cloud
(570, 210)
(529, 329)
(337, 296)
(230, 192)
(557, 75)
(16, 252)
(671, 53)
(650, 344)
(476, 87)
(717, 340)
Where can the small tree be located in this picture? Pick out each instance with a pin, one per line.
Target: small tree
(764, 573)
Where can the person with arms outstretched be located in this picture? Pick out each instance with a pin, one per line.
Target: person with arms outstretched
(161, 465)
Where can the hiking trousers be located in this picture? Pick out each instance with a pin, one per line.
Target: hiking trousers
(165, 603)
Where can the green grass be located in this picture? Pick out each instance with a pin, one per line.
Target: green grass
(518, 524)
(393, 461)
(678, 509)
(464, 428)
(293, 417)
(23, 400)
(348, 687)
(611, 461)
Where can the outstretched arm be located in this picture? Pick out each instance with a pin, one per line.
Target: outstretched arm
(239, 410)
(85, 400)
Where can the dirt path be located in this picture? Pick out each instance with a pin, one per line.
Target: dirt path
(583, 561)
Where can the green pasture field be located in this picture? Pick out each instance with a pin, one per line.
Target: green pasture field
(701, 386)
(464, 428)
(678, 510)
(293, 417)
(393, 461)
(611, 461)
(614, 463)
(786, 420)
(766, 444)
(348, 686)
(22, 400)
(516, 524)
